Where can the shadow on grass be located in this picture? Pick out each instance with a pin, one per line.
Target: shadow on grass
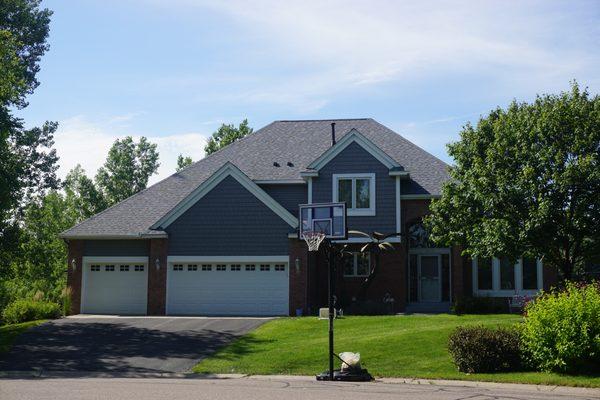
(243, 346)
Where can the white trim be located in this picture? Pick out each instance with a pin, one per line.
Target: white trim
(228, 259)
(310, 194)
(398, 210)
(420, 196)
(103, 259)
(280, 182)
(228, 169)
(496, 290)
(354, 136)
(351, 211)
(309, 174)
(400, 174)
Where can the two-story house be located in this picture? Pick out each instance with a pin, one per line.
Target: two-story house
(221, 236)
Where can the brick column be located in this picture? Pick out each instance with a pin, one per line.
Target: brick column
(298, 279)
(157, 279)
(75, 251)
(459, 278)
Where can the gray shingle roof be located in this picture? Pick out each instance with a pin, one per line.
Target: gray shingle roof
(295, 142)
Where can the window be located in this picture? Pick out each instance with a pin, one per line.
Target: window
(484, 274)
(265, 267)
(530, 274)
(507, 274)
(250, 267)
(139, 268)
(206, 267)
(357, 264)
(192, 267)
(95, 267)
(221, 267)
(279, 267)
(177, 267)
(357, 190)
(503, 278)
(124, 268)
(236, 267)
(109, 267)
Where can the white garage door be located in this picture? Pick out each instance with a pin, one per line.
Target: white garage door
(227, 288)
(115, 288)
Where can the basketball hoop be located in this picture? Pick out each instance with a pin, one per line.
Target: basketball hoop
(313, 239)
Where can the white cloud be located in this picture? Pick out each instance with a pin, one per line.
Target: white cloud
(79, 140)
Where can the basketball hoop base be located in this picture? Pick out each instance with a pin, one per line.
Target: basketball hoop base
(350, 375)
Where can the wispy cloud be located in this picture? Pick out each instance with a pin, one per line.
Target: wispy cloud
(80, 140)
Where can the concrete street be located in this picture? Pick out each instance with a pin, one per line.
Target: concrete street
(266, 388)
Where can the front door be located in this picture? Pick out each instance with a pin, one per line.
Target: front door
(429, 272)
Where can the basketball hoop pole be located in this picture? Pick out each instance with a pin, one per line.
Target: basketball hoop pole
(330, 278)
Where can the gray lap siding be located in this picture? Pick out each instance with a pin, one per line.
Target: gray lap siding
(355, 159)
(228, 221)
(289, 196)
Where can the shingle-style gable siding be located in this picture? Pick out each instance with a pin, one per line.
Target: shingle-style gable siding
(116, 248)
(228, 221)
(354, 159)
(289, 196)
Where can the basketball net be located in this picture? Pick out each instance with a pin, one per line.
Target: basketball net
(313, 239)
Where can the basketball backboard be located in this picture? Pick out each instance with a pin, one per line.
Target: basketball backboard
(327, 218)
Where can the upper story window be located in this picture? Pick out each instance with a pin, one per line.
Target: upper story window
(357, 190)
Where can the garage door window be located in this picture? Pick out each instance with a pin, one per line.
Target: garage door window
(206, 267)
(221, 267)
(250, 267)
(192, 267)
(279, 267)
(95, 267)
(236, 267)
(265, 267)
(124, 268)
(178, 267)
(139, 268)
(109, 267)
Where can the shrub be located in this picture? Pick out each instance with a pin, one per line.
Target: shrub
(480, 349)
(562, 329)
(67, 292)
(29, 310)
(480, 305)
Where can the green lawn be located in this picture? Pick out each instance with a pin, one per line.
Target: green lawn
(396, 346)
(9, 333)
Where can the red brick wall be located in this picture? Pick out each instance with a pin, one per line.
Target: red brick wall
(298, 278)
(157, 279)
(75, 251)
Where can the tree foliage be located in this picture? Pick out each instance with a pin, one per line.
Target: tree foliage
(225, 135)
(183, 162)
(82, 194)
(526, 182)
(127, 169)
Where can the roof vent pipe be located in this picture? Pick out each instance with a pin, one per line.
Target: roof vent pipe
(333, 134)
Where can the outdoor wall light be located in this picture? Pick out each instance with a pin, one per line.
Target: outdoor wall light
(74, 265)
(297, 265)
(157, 264)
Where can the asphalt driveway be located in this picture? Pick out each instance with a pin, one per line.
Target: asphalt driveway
(132, 345)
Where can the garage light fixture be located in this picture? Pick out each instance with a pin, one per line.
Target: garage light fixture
(157, 263)
(74, 265)
(297, 265)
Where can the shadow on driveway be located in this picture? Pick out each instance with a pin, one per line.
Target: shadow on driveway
(132, 345)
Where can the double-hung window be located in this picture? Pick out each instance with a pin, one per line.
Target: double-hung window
(357, 190)
(357, 264)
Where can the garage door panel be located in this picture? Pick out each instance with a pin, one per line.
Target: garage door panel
(115, 288)
(227, 291)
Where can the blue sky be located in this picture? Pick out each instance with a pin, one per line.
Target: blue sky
(175, 70)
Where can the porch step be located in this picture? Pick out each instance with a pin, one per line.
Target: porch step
(427, 308)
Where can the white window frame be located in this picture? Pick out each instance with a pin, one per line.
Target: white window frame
(496, 291)
(351, 210)
(354, 274)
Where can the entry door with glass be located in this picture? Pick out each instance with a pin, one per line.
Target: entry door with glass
(429, 269)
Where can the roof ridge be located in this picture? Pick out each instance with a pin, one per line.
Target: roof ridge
(322, 120)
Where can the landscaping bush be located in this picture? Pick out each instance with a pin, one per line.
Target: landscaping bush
(480, 349)
(480, 305)
(29, 310)
(562, 329)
